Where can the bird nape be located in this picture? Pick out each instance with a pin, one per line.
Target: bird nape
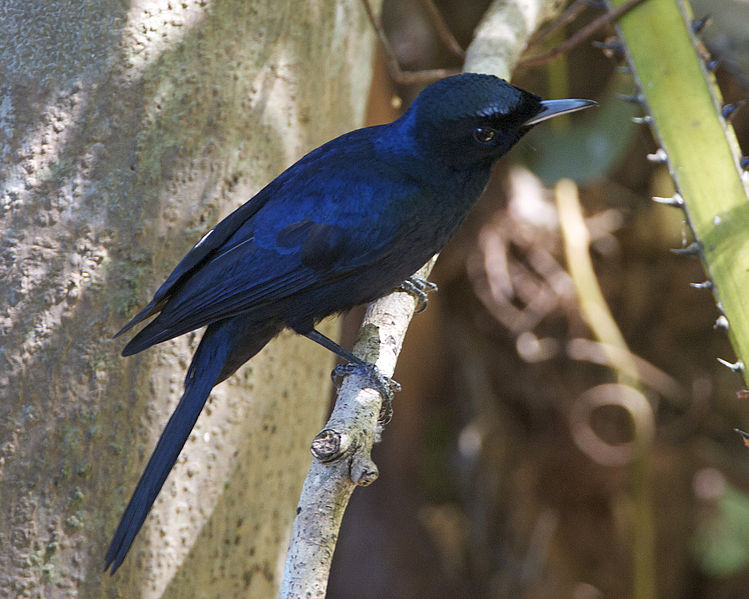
(344, 226)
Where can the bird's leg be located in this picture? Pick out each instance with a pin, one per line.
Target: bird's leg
(418, 287)
(385, 386)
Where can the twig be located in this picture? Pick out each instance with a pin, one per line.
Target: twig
(443, 31)
(573, 11)
(593, 305)
(580, 36)
(391, 60)
(342, 450)
(625, 394)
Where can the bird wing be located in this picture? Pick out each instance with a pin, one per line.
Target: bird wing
(309, 228)
(247, 276)
(207, 245)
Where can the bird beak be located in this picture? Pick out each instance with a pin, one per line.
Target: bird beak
(552, 108)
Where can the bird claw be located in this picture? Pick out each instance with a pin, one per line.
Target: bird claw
(385, 386)
(419, 288)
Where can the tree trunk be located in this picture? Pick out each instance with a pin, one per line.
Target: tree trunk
(126, 131)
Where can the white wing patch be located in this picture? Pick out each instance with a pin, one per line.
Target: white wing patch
(202, 239)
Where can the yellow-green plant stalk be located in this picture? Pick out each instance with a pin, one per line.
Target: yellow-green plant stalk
(685, 110)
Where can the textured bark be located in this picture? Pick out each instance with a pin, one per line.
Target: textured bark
(126, 131)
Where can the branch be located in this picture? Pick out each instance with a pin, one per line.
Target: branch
(711, 183)
(342, 449)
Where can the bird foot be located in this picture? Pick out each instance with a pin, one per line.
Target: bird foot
(419, 288)
(385, 386)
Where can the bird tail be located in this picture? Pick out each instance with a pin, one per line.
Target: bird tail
(225, 346)
(205, 371)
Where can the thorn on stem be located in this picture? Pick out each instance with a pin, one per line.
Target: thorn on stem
(744, 436)
(703, 285)
(737, 366)
(658, 157)
(634, 98)
(721, 323)
(693, 249)
(699, 24)
(729, 109)
(611, 48)
(676, 201)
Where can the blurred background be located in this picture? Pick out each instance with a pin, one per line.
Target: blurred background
(510, 469)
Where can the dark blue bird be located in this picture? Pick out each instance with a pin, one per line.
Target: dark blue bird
(344, 226)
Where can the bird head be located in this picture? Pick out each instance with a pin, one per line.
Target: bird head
(471, 120)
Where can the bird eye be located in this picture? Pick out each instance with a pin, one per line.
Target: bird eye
(484, 135)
